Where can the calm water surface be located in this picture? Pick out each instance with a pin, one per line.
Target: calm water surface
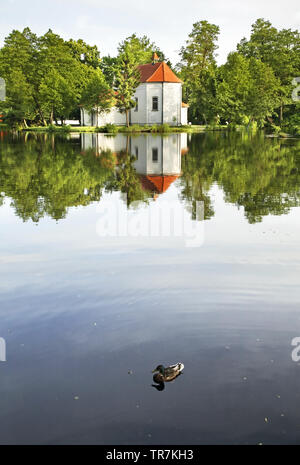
(87, 316)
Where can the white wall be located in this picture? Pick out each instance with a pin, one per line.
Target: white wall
(154, 90)
(112, 117)
(101, 142)
(140, 116)
(184, 115)
(172, 98)
(168, 149)
(169, 107)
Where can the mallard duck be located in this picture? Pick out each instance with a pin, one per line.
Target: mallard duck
(166, 374)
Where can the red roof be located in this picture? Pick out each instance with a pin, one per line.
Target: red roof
(157, 72)
(158, 184)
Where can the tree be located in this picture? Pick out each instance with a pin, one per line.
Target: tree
(263, 92)
(141, 49)
(51, 175)
(247, 90)
(107, 67)
(19, 104)
(97, 96)
(260, 174)
(86, 54)
(52, 71)
(127, 80)
(198, 69)
(280, 49)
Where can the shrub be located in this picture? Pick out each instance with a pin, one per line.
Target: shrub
(164, 128)
(275, 129)
(111, 128)
(160, 128)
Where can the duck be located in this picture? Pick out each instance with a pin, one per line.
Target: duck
(166, 374)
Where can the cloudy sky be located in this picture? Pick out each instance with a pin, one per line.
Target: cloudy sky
(166, 22)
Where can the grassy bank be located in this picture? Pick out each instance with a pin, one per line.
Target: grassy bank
(134, 129)
(154, 129)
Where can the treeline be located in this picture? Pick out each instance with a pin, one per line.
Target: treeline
(253, 87)
(48, 78)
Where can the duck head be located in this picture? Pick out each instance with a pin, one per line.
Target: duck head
(160, 369)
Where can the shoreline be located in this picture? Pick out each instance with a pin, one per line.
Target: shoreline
(135, 130)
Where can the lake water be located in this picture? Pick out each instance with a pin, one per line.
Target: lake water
(118, 254)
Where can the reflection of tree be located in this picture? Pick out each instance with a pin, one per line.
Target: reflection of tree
(259, 174)
(126, 179)
(45, 176)
(197, 177)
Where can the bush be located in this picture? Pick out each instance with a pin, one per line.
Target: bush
(111, 128)
(213, 127)
(161, 128)
(53, 128)
(231, 127)
(134, 128)
(252, 126)
(292, 125)
(275, 129)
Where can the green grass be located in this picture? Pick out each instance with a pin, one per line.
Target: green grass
(133, 129)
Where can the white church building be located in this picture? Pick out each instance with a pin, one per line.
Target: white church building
(158, 100)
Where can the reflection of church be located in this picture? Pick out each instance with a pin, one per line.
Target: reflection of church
(157, 158)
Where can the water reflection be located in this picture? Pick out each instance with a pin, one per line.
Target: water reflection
(145, 166)
(256, 173)
(44, 175)
(78, 311)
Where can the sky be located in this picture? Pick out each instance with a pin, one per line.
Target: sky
(167, 22)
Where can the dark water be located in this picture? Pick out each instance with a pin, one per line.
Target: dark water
(87, 311)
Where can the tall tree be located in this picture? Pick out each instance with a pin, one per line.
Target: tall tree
(127, 80)
(53, 71)
(247, 90)
(280, 49)
(97, 96)
(141, 49)
(198, 69)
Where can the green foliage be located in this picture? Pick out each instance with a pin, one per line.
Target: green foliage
(141, 49)
(198, 70)
(132, 128)
(160, 128)
(260, 174)
(247, 91)
(275, 129)
(47, 78)
(127, 80)
(51, 175)
(280, 50)
(62, 129)
(44, 76)
(96, 95)
(126, 180)
(111, 128)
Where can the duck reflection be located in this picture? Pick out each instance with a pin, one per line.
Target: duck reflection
(164, 375)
